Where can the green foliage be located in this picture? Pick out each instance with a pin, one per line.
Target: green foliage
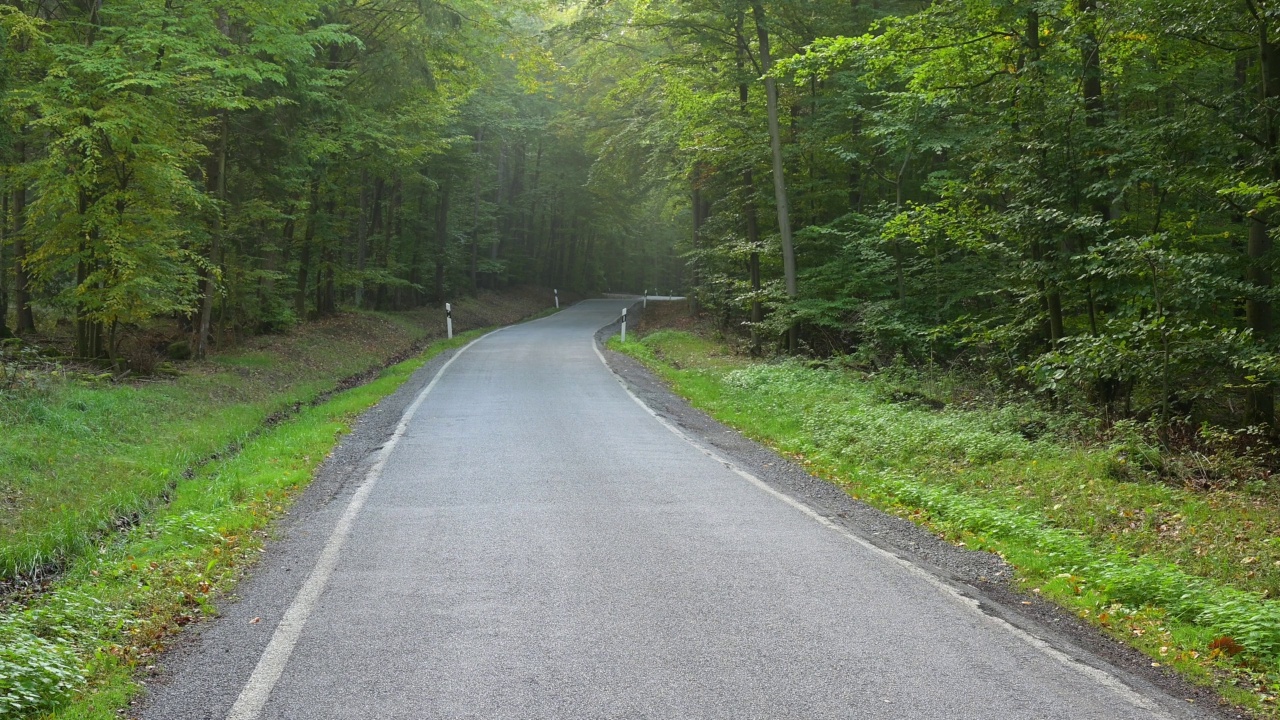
(35, 674)
(76, 456)
(250, 166)
(1075, 196)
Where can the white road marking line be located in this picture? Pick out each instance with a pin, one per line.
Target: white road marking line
(1093, 673)
(275, 657)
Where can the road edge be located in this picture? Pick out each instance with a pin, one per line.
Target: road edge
(981, 579)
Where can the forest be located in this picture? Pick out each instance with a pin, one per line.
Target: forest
(237, 168)
(1073, 197)
(1004, 268)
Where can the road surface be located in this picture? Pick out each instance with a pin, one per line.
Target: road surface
(533, 543)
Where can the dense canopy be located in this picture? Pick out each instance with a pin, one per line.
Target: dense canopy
(1072, 196)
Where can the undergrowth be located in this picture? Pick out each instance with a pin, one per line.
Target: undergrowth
(1190, 576)
(82, 456)
(72, 652)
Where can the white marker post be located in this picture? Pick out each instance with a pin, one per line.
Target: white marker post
(448, 319)
(624, 324)
(557, 292)
(646, 298)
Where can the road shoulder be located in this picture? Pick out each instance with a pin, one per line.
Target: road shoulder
(201, 674)
(981, 576)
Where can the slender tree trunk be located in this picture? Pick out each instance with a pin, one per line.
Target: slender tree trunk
(217, 184)
(695, 197)
(1260, 400)
(413, 295)
(779, 177)
(1057, 328)
(749, 214)
(362, 235)
(1105, 388)
(500, 218)
(899, 256)
(571, 257)
(5, 332)
(475, 212)
(1094, 119)
(26, 321)
(535, 207)
(275, 257)
(390, 239)
(1091, 67)
(326, 277)
(1046, 284)
(304, 252)
(88, 330)
(442, 240)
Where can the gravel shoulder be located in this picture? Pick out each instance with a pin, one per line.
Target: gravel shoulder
(981, 576)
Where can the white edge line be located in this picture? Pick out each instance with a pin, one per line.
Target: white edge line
(275, 657)
(1095, 674)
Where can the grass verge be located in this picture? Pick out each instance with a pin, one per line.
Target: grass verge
(74, 651)
(1188, 577)
(82, 456)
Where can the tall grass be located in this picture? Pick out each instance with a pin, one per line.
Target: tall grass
(80, 458)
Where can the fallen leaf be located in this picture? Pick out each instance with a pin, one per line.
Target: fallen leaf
(1227, 645)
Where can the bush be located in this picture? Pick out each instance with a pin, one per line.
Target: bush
(180, 350)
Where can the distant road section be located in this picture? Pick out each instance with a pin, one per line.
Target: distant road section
(536, 544)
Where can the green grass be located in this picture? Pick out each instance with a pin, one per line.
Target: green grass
(81, 458)
(1170, 569)
(74, 651)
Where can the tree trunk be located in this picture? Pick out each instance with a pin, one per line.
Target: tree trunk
(1260, 401)
(535, 206)
(390, 233)
(1094, 119)
(500, 215)
(26, 321)
(304, 253)
(749, 215)
(88, 330)
(217, 184)
(1091, 66)
(1046, 284)
(695, 199)
(326, 274)
(475, 212)
(5, 332)
(779, 177)
(362, 235)
(442, 240)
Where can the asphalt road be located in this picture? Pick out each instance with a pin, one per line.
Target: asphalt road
(533, 543)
